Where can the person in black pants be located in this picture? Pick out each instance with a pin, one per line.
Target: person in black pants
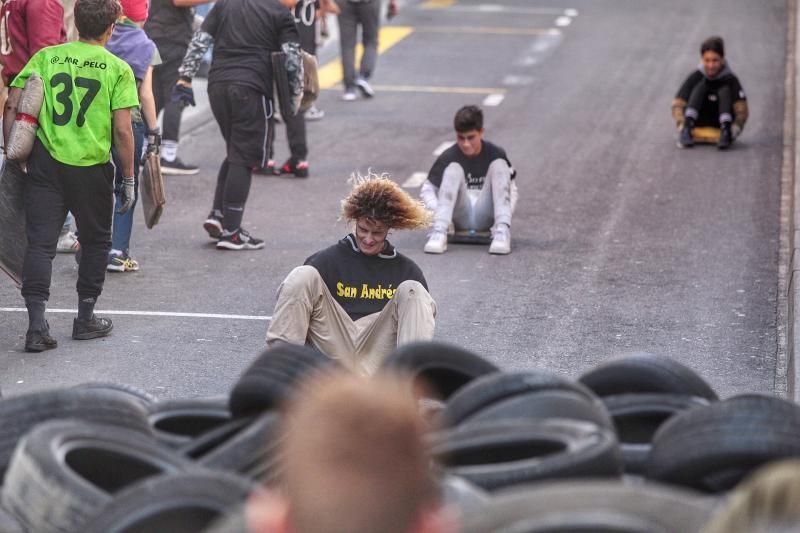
(245, 33)
(169, 25)
(305, 13)
(710, 96)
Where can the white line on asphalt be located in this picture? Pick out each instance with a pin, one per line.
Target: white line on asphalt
(442, 147)
(562, 22)
(571, 12)
(415, 180)
(496, 8)
(493, 100)
(148, 313)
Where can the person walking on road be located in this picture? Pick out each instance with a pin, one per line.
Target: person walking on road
(88, 97)
(169, 25)
(711, 96)
(367, 14)
(245, 33)
(360, 298)
(130, 43)
(471, 186)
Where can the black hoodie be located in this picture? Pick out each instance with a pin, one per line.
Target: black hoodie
(363, 284)
(709, 114)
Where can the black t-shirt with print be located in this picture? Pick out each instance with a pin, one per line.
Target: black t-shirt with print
(363, 284)
(475, 168)
(245, 33)
(305, 16)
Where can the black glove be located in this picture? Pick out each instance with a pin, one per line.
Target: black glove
(127, 195)
(183, 94)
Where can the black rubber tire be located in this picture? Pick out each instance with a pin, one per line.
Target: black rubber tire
(145, 397)
(63, 471)
(18, 414)
(461, 494)
(637, 417)
(492, 390)
(176, 423)
(249, 449)
(212, 439)
(646, 372)
(274, 376)
(514, 452)
(176, 503)
(712, 448)
(441, 366)
(591, 506)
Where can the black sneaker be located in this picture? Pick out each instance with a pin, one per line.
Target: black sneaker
(39, 340)
(685, 139)
(177, 167)
(91, 329)
(213, 225)
(725, 137)
(268, 170)
(239, 240)
(293, 166)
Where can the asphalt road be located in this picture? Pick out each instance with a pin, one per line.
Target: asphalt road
(621, 241)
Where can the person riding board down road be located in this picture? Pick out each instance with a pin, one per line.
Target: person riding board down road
(360, 298)
(88, 97)
(710, 96)
(471, 185)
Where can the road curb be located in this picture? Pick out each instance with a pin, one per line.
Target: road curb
(788, 331)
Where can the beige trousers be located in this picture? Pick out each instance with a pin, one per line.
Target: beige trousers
(307, 312)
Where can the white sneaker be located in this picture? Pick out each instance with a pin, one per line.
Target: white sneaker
(501, 240)
(437, 243)
(349, 96)
(67, 243)
(314, 113)
(365, 88)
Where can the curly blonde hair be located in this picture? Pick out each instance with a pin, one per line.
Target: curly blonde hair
(377, 197)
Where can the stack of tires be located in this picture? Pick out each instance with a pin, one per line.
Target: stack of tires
(641, 443)
(108, 458)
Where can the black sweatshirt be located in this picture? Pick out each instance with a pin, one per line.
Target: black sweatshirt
(363, 284)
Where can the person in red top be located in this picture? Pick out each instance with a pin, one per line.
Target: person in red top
(27, 26)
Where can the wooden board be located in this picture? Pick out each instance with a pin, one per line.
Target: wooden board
(705, 134)
(13, 239)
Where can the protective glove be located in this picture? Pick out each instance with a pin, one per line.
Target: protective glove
(127, 195)
(183, 94)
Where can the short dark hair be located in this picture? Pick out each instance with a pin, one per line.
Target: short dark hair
(93, 17)
(468, 118)
(713, 44)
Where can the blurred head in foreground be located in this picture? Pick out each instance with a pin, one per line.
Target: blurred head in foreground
(768, 502)
(354, 461)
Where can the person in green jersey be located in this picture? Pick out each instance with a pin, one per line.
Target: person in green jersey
(88, 97)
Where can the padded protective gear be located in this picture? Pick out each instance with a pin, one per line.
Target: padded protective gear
(678, 109)
(26, 122)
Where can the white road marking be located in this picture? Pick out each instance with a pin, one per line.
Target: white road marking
(497, 8)
(442, 147)
(562, 22)
(517, 80)
(415, 180)
(148, 313)
(493, 100)
(571, 12)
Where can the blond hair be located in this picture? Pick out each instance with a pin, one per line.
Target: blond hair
(354, 458)
(377, 197)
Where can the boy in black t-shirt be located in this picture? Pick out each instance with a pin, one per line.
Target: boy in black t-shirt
(710, 96)
(471, 186)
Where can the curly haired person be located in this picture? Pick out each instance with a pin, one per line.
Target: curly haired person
(360, 298)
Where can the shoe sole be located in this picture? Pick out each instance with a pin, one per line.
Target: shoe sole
(167, 171)
(499, 252)
(213, 229)
(112, 268)
(93, 334)
(227, 245)
(437, 252)
(36, 348)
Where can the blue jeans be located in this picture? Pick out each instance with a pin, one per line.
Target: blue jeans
(123, 224)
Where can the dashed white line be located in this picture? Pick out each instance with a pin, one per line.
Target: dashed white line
(493, 100)
(571, 12)
(149, 313)
(562, 22)
(442, 147)
(415, 180)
